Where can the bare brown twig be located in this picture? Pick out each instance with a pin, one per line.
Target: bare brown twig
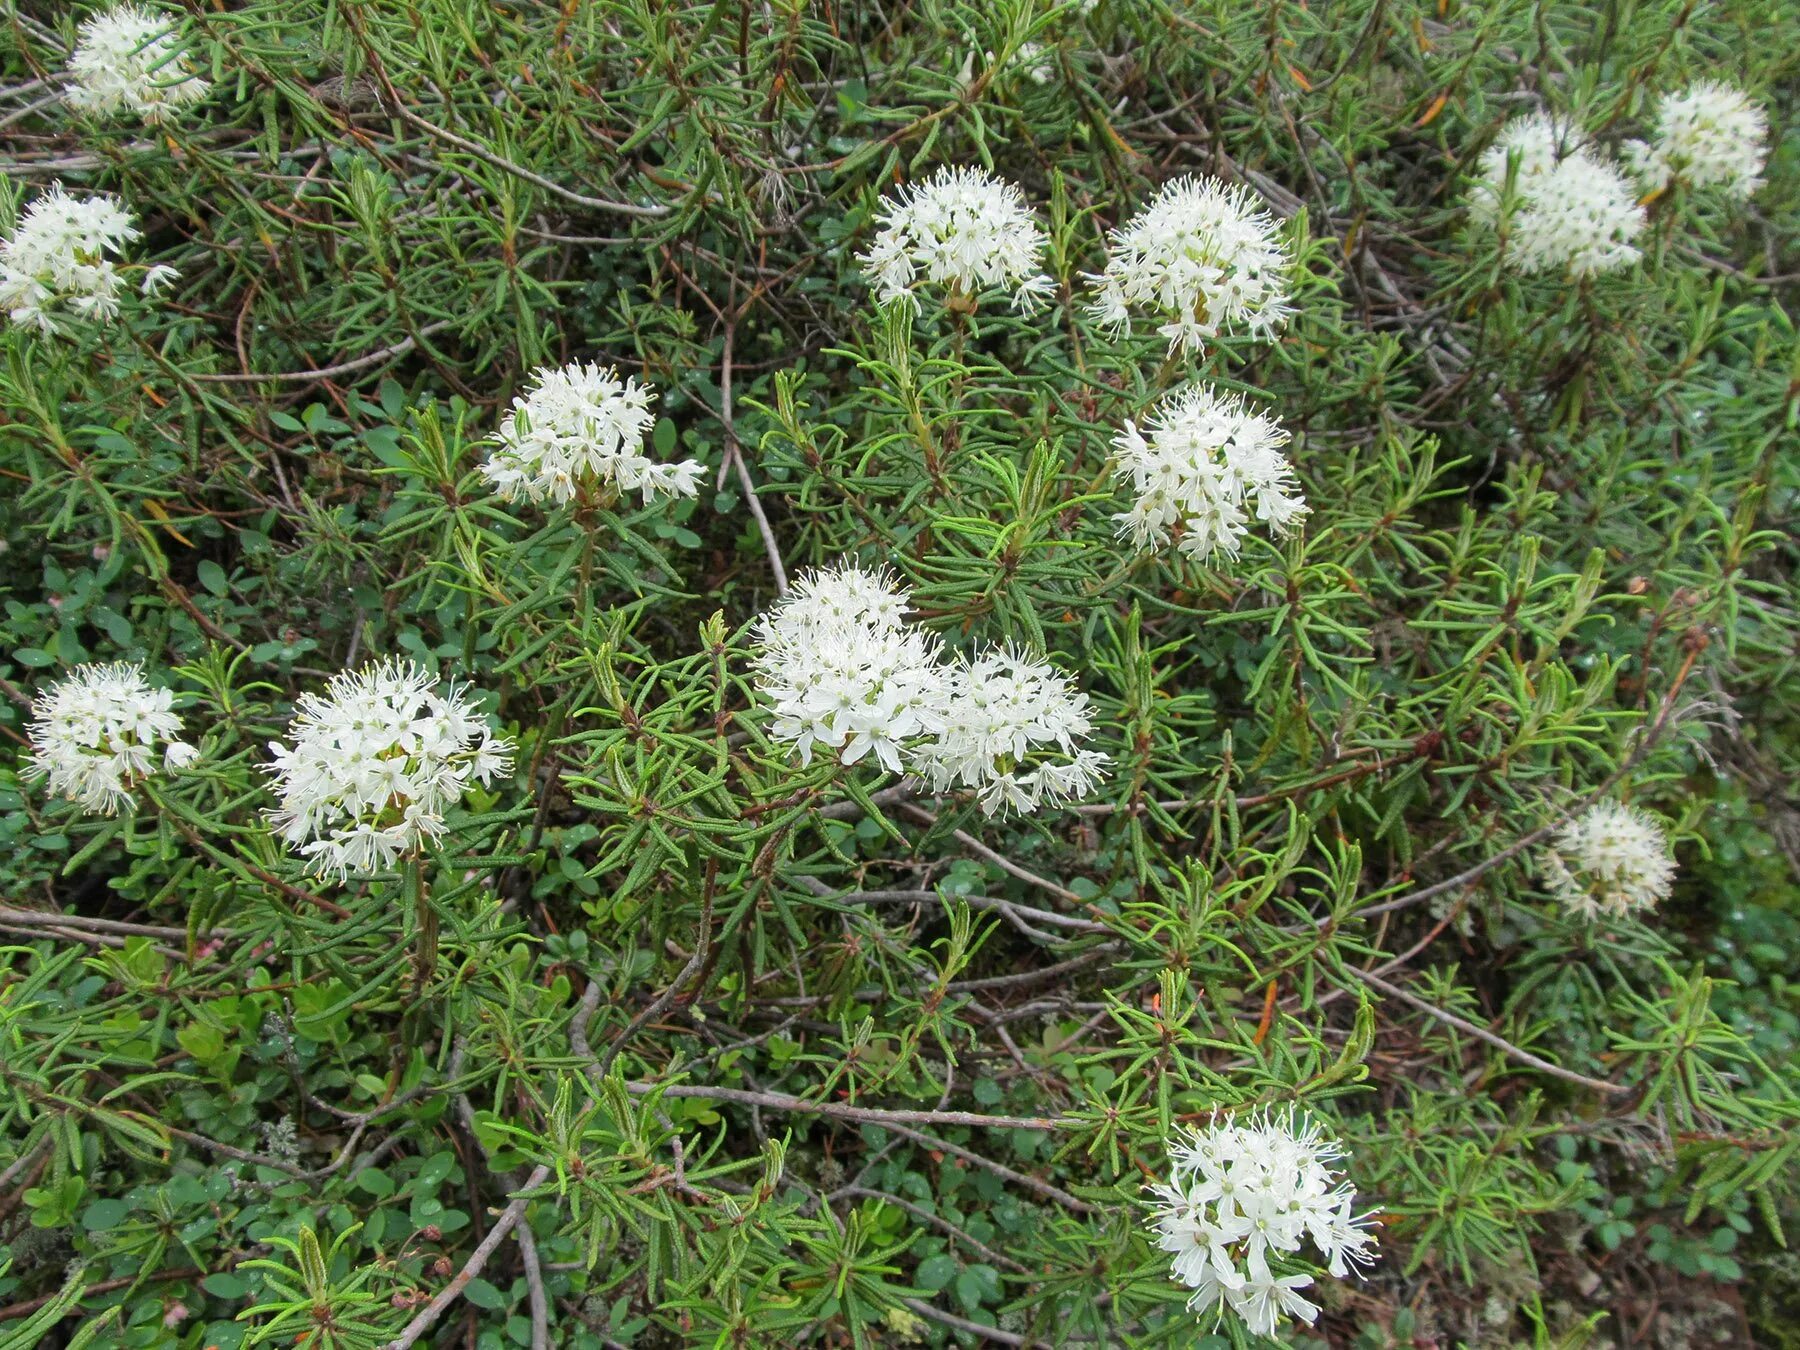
(509, 1218)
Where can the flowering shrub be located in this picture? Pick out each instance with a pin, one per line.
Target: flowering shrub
(964, 230)
(1009, 733)
(1100, 674)
(94, 735)
(128, 59)
(1577, 213)
(374, 765)
(1207, 466)
(56, 256)
(1610, 860)
(1203, 257)
(1709, 135)
(841, 668)
(582, 426)
(1243, 1196)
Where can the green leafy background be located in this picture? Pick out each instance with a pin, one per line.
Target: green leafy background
(1551, 554)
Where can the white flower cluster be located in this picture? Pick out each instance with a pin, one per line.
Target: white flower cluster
(129, 59)
(1575, 213)
(963, 229)
(844, 670)
(583, 424)
(374, 765)
(1244, 1194)
(57, 257)
(1536, 142)
(1207, 463)
(1010, 730)
(1203, 258)
(1611, 860)
(94, 735)
(1710, 135)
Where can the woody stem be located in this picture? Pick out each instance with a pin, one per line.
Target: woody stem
(418, 895)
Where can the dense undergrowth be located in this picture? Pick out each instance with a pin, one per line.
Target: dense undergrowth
(782, 1054)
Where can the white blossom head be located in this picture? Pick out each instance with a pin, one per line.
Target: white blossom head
(1204, 259)
(95, 735)
(57, 261)
(1242, 1202)
(1206, 467)
(1574, 212)
(375, 764)
(1612, 860)
(130, 59)
(582, 425)
(962, 229)
(1537, 143)
(844, 596)
(842, 668)
(1011, 731)
(1709, 135)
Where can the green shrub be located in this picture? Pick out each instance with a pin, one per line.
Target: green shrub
(649, 1029)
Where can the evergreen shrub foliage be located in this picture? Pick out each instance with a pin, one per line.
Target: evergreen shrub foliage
(1324, 683)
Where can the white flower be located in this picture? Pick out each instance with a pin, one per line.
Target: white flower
(963, 229)
(1708, 135)
(1537, 142)
(1575, 213)
(1242, 1194)
(1203, 258)
(1612, 860)
(843, 669)
(1011, 723)
(129, 59)
(94, 735)
(1206, 466)
(1581, 219)
(582, 424)
(158, 277)
(374, 765)
(1037, 61)
(1265, 1298)
(57, 257)
(837, 597)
